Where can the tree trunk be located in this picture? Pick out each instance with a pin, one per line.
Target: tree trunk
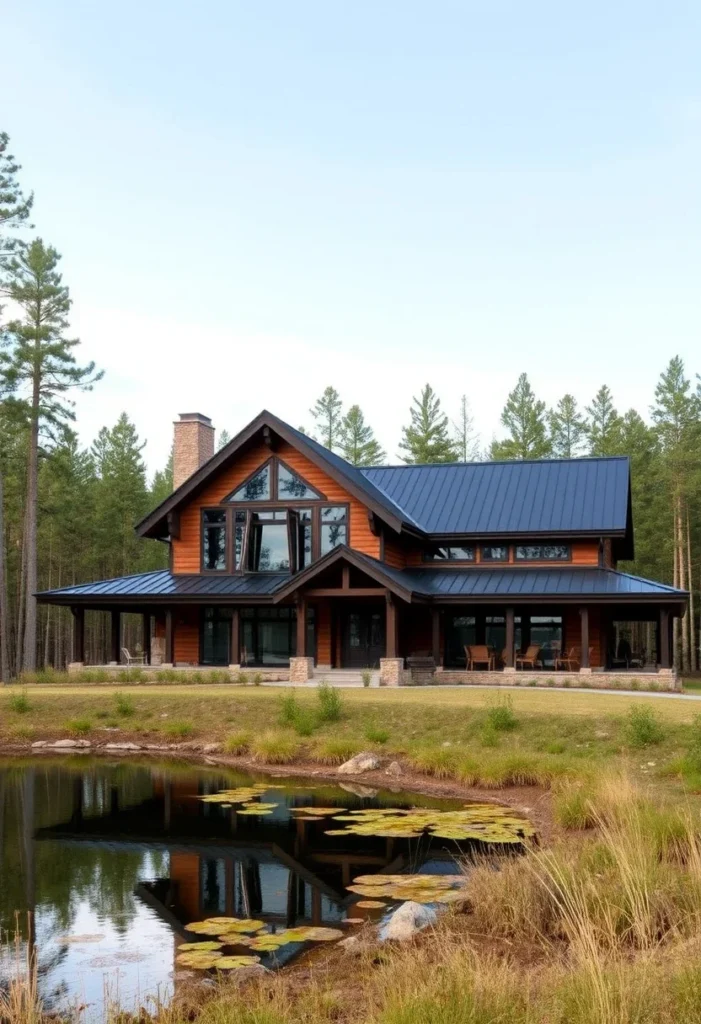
(4, 618)
(693, 649)
(29, 658)
(682, 583)
(675, 583)
(20, 599)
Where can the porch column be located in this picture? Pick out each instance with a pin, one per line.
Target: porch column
(235, 642)
(170, 630)
(79, 635)
(391, 626)
(301, 627)
(115, 631)
(436, 636)
(584, 618)
(509, 660)
(665, 646)
(146, 634)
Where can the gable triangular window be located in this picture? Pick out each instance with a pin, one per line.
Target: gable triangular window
(256, 488)
(293, 487)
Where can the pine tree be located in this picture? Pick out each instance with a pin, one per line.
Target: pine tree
(121, 496)
(327, 412)
(604, 424)
(162, 483)
(427, 439)
(223, 439)
(568, 430)
(357, 440)
(524, 418)
(15, 207)
(466, 438)
(40, 361)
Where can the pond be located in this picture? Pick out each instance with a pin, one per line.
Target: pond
(113, 861)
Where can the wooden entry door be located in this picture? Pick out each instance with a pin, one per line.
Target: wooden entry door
(363, 637)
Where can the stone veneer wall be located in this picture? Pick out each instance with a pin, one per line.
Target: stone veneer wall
(193, 445)
(662, 680)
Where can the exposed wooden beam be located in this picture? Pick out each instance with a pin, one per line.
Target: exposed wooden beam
(509, 661)
(115, 635)
(391, 626)
(301, 627)
(269, 439)
(374, 523)
(584, 617)
(346, 592)
(146, 636)
(173, 520)
(78, 634)
(170, 630)
(345, 577)
(665, 645)
(436, 636)
(235, 644)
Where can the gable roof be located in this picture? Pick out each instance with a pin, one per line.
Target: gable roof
(546, 497)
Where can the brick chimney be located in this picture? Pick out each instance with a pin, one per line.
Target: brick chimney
(193, 444)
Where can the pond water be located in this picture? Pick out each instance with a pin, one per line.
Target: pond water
(113, 860)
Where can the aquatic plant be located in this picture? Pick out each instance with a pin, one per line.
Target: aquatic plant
(486, 823)
(417, 888)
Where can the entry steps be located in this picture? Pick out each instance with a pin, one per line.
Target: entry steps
(344, 676)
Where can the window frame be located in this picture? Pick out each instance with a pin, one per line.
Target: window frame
(548, 561)
(273, 462)
(204, 526)
(495, 561)
(429, 557)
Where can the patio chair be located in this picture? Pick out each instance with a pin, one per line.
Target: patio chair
(531, 657)
(570, 661)
(479, 654)
(133, 659)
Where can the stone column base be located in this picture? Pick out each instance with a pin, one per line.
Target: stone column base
(158, 651)
(167, 664)
(301, 670)
(585, 671)
(75, 666)
(391, 671)
(509, 671)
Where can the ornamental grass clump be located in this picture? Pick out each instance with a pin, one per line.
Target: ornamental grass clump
(274, 747)
(643, 727)
(237, 743)
(500, 715)
(335, 750)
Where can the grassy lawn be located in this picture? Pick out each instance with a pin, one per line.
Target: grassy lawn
(482, 737)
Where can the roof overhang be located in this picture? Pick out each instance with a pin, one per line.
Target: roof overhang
(347, 556)
(266, 425)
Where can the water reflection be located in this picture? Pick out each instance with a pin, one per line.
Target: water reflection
(114, 860)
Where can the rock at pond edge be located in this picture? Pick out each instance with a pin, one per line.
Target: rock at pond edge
(407, 921)
(366, 761)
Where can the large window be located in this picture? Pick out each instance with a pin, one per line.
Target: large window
(268, 542)
(465, 553)
(495, 552)
(275, 482)
(290, 485)
(216, 636)
(269, 635)
(546, 631)
(214, 541)
(334, 527)
(543, 552)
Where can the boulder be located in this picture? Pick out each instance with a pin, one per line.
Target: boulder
(70, 744)
(38, 744)
(122, 746)
(394, 769)
(407, 921)
(366, 761)
(211, 748)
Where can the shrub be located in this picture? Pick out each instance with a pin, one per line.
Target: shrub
(93, 675)
(515, 770)
(489, 737)
(467, 770)
(80, 725)
(237, 743)
(288, 709)
(566, 683)
(132, 675)
(257, 678)
(375, 735)
(215, 675)
(304, 722)
(124, 705)
(556, 747)
(19, 703)
(501, 715)
(550, 681)
(335, 750)
(330, 704)
(179, 729)
(643, 727)
(366, 676)
(167, 675)
(634, 684)
(242, 679)
(275, 747)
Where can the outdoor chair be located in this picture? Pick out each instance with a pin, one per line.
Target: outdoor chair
(570, 661)
(479, 654)
(530, 658)
(133, 659)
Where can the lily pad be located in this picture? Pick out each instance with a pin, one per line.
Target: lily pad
(487, 823)
(199, 947)
(371, 904)
(201, 961)
(234, 963)
(217, 925)
(312, 934)
(317, 812)
(253, 810)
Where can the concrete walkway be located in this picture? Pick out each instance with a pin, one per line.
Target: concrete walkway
(663, 694)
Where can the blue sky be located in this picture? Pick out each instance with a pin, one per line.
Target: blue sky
(256, 200)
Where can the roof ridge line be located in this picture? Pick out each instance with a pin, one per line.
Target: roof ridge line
(494, 462)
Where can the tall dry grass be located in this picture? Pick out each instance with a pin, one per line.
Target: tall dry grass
(19, 992)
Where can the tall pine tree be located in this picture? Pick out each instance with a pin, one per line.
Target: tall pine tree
(603, 424)
(466, 439)
(358, 443)
(524, 418)
(427, 438)
(40, 363)
(568, 430)
(327, 412)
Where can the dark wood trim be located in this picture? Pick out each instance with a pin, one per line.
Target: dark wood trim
(665, 640)
(346, 592)
(374, 524)
(235, 640)
(228, 535)
(301, 627)
(345, 577)
(382, 544)
(170, 636)
(391, 626)
(509, 640)
(584, 618)
(115, 635)
(371, 568)
(173, 520)
(436, 636)
(146, 635)
(268, 438)
(78, 634)
(274, 462)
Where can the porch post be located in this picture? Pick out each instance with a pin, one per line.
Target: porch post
(170, 630)
(584, 617)
(436, 636)
(115, 630)
(146, 633)
(391, 626)
(301, 626)
(665, 646)
(235, 642)
(79, 635)
(509, 660)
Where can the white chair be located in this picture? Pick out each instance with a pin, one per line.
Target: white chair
(133, 659)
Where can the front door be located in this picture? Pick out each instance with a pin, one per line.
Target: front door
(363, 638)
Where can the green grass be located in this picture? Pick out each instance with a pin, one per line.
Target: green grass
(330, 703)
(124, 705)
(373, 734)
(179, 729)
(643, 727)
(275, 747)
(237, 743)
(81, 726)
(19, 703)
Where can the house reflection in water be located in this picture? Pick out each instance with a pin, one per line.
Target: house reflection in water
(279, 868)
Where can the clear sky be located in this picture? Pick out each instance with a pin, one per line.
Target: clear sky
(255, 200)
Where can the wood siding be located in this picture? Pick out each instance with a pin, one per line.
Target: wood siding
(186, 642)
(186, 550)
(323, 634)
(573, 634)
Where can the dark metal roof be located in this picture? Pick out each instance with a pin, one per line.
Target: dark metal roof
(519, 584)
(162, 584)
(567, 496)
